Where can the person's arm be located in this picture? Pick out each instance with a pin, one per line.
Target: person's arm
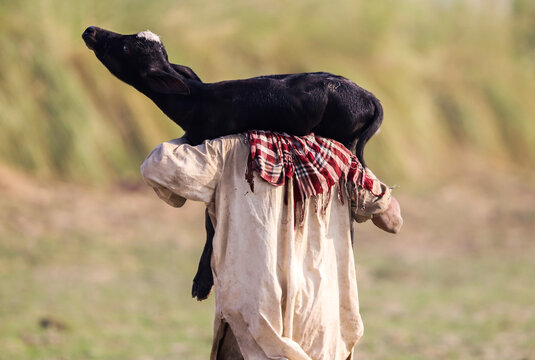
(384, 210)
(389, 220)
(178, 171)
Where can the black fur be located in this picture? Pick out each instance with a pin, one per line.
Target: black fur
(326, 104)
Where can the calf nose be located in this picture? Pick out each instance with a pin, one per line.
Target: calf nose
(90, 31)
(89, 37)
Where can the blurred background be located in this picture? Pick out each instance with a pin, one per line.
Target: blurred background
(94, 266)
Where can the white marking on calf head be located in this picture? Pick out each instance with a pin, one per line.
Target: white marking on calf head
(149, 35)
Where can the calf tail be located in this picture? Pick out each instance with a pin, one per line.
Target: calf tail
(370, 128)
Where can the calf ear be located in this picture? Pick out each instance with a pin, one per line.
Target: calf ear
(186, 72)
(166, 82)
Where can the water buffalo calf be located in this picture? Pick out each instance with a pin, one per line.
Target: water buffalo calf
(326, 104)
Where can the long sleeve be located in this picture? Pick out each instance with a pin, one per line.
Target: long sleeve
(369, 204)
(178, 171)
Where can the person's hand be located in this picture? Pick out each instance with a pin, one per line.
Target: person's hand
(390, 220)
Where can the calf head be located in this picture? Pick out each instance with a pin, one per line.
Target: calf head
(139, 60)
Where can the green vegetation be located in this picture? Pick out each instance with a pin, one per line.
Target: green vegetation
(105, 272)
(451, 74)
(76, 283)
(87, 274)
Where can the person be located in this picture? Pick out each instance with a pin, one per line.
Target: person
(283, 266)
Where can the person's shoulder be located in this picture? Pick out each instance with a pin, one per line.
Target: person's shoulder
(229, 142)
(222, 142)
(231, 139)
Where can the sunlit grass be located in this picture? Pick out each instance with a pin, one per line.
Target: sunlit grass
(112, 273)
(448, 73)
(106, 274)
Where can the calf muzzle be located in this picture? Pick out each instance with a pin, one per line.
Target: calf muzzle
(89, 36)
(95, 36)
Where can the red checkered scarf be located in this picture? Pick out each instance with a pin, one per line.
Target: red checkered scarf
(314, 164)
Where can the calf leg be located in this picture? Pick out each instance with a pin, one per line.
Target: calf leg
(204, 280)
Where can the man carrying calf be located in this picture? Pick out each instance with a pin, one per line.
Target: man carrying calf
(326, 104)
(282, 261)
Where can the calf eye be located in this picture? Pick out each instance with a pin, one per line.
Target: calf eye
(126, 50)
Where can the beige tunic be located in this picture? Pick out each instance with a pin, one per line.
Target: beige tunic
(287, 292)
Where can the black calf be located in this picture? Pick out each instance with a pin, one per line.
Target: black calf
(326, 104)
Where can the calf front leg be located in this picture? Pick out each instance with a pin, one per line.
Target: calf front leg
(204, 280)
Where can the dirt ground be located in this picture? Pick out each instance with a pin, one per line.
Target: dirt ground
(91, 273)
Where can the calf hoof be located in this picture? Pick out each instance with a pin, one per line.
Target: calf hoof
(202, 285)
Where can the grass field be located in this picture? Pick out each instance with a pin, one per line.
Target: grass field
(448, 73)
(106, 274)
(94, 266)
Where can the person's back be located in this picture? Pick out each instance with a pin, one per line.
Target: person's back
(282, 261)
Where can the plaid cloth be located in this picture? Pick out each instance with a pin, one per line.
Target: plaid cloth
(314, 164)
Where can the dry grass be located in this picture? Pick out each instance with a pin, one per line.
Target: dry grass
(447, 72)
